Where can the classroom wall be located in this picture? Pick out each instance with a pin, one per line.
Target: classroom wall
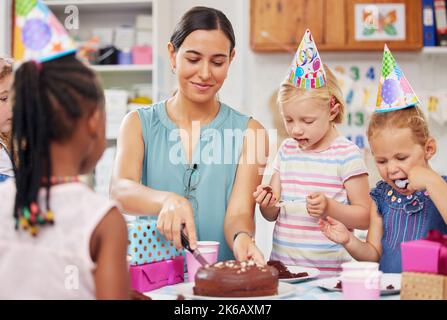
(254, 76)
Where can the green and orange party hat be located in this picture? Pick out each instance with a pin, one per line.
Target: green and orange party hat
(394, 91)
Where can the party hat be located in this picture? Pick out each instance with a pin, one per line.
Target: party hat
(38, 35)
(394, 91)
(307, 70)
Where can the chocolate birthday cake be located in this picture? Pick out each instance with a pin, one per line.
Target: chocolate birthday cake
(236, 279)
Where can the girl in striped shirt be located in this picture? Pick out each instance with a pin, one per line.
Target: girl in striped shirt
(318, 173)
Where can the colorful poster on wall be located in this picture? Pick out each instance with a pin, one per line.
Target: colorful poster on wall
(377, 22)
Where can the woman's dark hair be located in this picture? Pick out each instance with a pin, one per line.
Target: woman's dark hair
(202, 18)
(49, 100)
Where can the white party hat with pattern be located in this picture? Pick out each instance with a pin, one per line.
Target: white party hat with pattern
(307, 70)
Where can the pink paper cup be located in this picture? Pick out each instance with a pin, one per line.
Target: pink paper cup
(364, 266)
(208, 245)
(359, 285)
(193, 265)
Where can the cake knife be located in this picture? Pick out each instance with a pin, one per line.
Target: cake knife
(196, 253)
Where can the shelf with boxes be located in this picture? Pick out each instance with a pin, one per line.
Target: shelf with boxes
(117, 37)
(120, 39)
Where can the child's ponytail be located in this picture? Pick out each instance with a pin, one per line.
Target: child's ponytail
(49, 99)
(30, 130)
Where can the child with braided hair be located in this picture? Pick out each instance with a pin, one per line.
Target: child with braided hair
(78, 242)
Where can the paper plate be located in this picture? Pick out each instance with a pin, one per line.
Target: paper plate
(185, 289)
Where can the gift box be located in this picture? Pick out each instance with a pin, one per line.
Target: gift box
(427, 255)
(152, 276)
(423, 286)
(142, 54)
(147, 245)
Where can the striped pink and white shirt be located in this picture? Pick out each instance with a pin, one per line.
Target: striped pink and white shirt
(297, 239)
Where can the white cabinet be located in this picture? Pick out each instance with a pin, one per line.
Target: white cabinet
(81, 18)
(113, 21)
(85, 18)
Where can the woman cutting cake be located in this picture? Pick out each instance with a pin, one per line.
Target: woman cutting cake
(164, 167)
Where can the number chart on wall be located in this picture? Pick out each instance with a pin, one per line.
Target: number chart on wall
(359, 88)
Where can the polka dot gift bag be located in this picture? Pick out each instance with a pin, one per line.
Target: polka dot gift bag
(154, 261)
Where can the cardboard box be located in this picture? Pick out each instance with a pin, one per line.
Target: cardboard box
(143, 21)
(124, 37)
(144, 37)
(142, 54)
(423, 286)
(116, 109)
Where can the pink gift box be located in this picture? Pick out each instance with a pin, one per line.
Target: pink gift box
(142, 55)
(152, 276)
(428, 256)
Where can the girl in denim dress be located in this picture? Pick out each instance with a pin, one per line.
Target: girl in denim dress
(411, 199)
